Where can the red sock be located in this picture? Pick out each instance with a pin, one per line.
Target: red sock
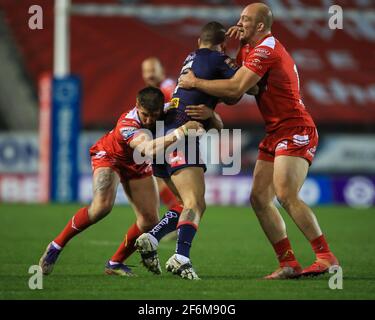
(176, 208)
(79, 222)
(127, 247)
(284, 251)
(320, 245)
(168, 198)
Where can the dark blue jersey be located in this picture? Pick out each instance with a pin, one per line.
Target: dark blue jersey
(206, 64)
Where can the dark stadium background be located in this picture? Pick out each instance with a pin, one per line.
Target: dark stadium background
(336, 69)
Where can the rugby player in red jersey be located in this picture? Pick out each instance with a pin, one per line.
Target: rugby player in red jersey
(290, 142)
(113, 163)
(153, 75)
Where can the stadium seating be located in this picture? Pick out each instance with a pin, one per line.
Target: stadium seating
(337, 81)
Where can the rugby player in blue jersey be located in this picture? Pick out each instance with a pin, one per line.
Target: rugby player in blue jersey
(185, 176)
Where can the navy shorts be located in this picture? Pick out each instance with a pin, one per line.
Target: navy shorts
(187, 154)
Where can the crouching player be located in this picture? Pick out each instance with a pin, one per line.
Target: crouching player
(113, 163)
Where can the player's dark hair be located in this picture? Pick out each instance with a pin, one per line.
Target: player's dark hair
(151, 98)
(213, 33)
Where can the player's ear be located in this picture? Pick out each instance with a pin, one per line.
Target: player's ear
(137, 104)
(222, 46)
(199, 42)
(260, 26)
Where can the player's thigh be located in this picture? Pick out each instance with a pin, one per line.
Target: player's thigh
(105, 183)
(262, 191)
(289, 175)
(143, 197)
(190, 185)
(160, 183)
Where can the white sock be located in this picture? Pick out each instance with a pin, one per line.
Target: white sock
(153, 240)
(182, 258)
(56, 245)
(113, 263)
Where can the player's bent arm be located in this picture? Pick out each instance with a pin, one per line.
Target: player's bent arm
(149, 147)
(230, 101)
(235, 87)
(253, 91)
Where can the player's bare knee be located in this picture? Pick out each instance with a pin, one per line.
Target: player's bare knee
(257, 201)
(147, 222)
(286, 199)
(99, 211)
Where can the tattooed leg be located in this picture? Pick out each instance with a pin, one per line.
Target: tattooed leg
(104, 186)
(105, 182)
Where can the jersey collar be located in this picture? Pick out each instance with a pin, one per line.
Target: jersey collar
(262, 39)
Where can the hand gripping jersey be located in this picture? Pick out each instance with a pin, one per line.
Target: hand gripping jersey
(113, 150)
(279, 98)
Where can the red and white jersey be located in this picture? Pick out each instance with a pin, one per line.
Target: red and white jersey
(167, 87)
(115, 143)
(279, 98)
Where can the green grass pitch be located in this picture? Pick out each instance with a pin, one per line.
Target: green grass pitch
(230, 253)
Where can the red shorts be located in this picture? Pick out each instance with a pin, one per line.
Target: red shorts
(126, 171)
(294, 141)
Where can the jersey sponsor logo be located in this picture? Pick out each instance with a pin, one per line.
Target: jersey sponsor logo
(176, 159)
(231, 63)
(171, 104)
(260, 54)
(190, 57)
(127, 132)
(301, 140)
(262, 51)
(251, 61)
(188, 63)
(283, 145)
(256, 65)
(311, 151)
(100, 154)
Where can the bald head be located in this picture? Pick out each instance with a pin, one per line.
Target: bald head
(255, 22)
(262, 13)
(152, 72)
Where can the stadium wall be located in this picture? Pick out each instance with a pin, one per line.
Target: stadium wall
(337, 176)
